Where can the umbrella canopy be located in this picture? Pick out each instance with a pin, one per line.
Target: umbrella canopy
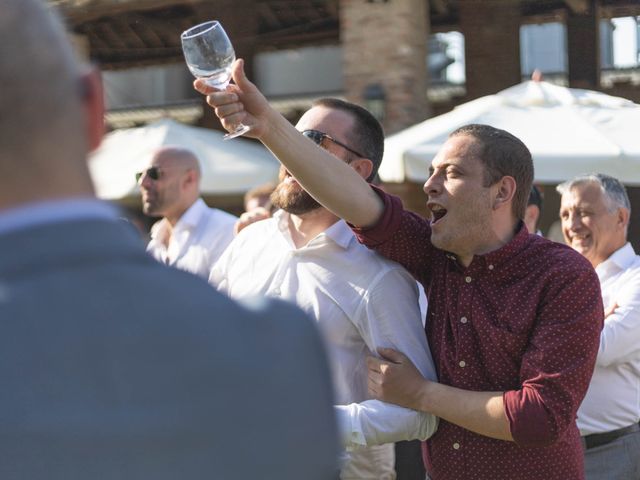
(228, 167)
(569, 132)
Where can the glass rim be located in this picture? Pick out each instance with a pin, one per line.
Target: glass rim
(213, 24)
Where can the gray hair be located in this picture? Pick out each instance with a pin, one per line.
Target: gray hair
(612, 189)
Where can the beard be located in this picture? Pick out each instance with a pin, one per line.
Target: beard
(292, 198)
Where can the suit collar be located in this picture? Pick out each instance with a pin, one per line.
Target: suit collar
(67, 243)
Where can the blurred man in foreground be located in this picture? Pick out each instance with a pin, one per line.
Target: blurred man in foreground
(191, 236)
(595, 212)
(113, 366)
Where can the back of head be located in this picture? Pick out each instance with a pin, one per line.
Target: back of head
(503, 154)
(535, 197)
(367, 136)
(41, 116)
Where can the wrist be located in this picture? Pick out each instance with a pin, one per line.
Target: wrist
(425, 396)
(272, 125)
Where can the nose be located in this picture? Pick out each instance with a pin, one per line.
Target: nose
(572, 221)
(432, 185)
(144, 181)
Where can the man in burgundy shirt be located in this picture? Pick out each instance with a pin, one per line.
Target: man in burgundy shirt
(513, 320)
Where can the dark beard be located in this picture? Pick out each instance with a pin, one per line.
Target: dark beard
(293, 199)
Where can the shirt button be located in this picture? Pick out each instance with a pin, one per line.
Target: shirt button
(467, 279)
(462, 363)
(490, 267)
(276, 291)
(456, 446)
(463, 320)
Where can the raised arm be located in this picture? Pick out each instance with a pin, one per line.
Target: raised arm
(329, 180)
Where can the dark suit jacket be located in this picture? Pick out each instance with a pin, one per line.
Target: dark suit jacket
(113, 366)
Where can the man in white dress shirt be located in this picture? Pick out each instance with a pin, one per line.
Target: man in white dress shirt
(595, 213)
(361, 301)
(190, 236)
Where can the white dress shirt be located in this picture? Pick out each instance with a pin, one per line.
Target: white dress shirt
(613, 397)
(361, 301)
(197, 240)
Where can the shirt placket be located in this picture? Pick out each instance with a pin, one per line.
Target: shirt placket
(464, 360)
(278, 286)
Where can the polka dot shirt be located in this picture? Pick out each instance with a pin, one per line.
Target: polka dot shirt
(524, 319)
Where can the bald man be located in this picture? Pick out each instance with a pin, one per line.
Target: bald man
(190, 236)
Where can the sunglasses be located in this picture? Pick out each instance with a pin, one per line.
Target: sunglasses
(152, 172)
(317, 137)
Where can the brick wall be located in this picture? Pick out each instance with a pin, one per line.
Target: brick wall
(491, 30)
(385, 43)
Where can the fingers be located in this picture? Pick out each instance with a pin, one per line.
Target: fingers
(238, 75)
(610, 310)
(374, 384)
(247, 218)
(392, 355)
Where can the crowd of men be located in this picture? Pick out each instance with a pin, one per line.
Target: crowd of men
(306, 354)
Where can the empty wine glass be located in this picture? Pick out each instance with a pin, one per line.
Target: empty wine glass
(210, 56)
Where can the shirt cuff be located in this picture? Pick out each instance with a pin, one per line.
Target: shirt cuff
(349, 427)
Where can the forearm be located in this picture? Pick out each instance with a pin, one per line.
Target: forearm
(479, 412)
(375, 423)
(328, 179)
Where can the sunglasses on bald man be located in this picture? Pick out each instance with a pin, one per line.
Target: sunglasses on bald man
(152, 172)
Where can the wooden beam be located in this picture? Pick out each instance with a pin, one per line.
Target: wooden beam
(578, 6)
(81, 11)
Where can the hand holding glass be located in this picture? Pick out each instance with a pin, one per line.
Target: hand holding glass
(210, 56)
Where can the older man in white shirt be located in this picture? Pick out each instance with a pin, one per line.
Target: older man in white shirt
(594, 212)
(191, 236)
(360, 300)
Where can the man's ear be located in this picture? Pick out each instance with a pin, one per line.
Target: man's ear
(505, 191)
(363, 166)
(93, 103)
(623, 217)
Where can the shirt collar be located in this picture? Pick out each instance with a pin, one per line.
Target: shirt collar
(339, 232)
(53, 211)
(192, 216)
(189, 219)
(621, 258)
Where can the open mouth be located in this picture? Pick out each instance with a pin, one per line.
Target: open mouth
(437, 213)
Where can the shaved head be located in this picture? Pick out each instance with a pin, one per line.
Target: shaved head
(43, 133)
(175, 155)
(176, 186)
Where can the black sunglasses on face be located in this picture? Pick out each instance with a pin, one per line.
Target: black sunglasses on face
(152, 172)
(317, 136)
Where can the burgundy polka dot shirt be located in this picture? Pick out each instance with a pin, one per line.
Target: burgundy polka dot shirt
(524, 319)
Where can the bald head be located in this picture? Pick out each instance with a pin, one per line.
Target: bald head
(174, 187)
(174, 155)
(43, 124)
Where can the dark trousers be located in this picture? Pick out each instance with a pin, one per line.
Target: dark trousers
(409, 465)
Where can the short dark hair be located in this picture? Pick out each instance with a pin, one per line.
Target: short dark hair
(535, 197)
(503, 154)
(367, 136)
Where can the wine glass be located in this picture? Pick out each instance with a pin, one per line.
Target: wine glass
(210, 56)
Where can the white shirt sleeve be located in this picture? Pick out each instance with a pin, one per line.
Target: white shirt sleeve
(218, 277)
(620, 337)
(390, 317)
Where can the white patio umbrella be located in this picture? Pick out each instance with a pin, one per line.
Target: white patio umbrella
(228, 167)
(569, 132)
